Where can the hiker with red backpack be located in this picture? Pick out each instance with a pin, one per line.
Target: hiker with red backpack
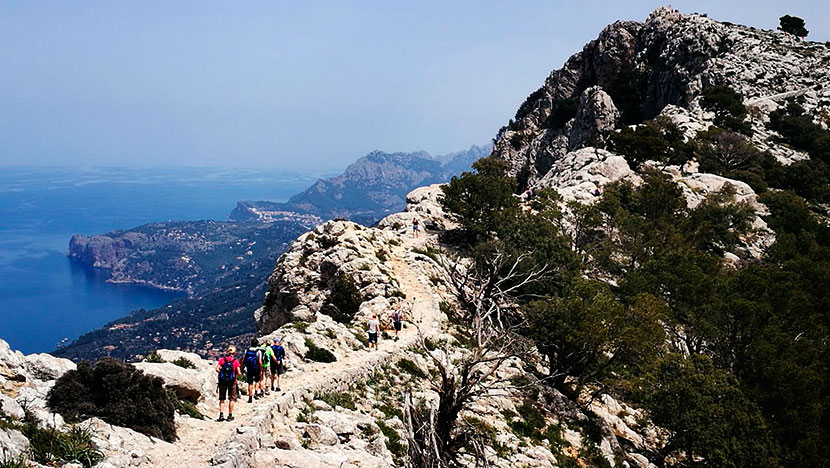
(227, 368)
(277, 355)
(253, 370)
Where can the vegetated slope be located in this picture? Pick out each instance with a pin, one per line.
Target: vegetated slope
(189, 256)
(219, 314)
(369, 189)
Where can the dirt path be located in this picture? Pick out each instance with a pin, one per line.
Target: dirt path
(199, 441)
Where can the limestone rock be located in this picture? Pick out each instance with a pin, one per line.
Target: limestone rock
(320, 434)
(189, 384)
(596, 117)
(12, 444)
(12, 364)
(47, 367)
(581, 172)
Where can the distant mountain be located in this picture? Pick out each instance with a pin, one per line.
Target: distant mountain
(369, 189)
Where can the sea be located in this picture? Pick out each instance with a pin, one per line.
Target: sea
(47, 299)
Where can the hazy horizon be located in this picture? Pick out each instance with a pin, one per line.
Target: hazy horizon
(308, 87)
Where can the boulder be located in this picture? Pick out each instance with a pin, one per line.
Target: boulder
(12, 444)
(577, 175)
(189, 384)
(11, 407)
(379, 306)
(320, 434)
(12, 364)
(47, 367)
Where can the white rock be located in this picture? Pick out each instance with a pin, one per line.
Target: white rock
(46, 367)
(12, 443)
(321, 434)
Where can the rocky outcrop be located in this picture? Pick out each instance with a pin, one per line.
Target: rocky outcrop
(665, 61)
(580, 174)
(305, 275)
(595, 118)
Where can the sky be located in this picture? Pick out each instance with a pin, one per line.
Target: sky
(295, 85)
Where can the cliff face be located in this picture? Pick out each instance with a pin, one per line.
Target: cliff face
(369, 189)
(632, 71)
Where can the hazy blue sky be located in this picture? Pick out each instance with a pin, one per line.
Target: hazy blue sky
(290, 84)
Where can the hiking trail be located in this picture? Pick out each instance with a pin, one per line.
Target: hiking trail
(201, 440)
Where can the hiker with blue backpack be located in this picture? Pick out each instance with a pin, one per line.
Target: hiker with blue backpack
(253, 370)
(227, 368)
(277, 355)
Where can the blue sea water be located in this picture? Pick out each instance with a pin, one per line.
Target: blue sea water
(46, 297)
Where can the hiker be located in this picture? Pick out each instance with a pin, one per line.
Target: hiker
(415, 227)
(227, 368)
(397, 318)
(372, 327)
(253, 370)
(266, 368)
(278, 363)
(596, 192)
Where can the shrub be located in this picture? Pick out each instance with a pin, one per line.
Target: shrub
(792, 25)
(346, 299)
(117, 393)
(154, 356)
(658, 140)
(564, 111)
(390, 411)
(728, 106)
(186, 407)
(344, 399)
(318, 354)
(393, 440)
(51, 446)
(411, 368)
(184, 362)
(529, 423)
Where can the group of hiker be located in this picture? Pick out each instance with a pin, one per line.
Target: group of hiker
(262, 367)
(264, 364)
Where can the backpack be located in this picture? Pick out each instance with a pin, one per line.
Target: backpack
(279, 353)
(227, 373)
(252, 360)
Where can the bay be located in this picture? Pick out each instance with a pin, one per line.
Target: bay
(44, 296)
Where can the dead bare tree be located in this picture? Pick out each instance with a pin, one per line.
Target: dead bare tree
(437, 436)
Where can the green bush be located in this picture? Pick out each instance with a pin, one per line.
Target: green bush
(318, 354)
(334, 399)
(529, 422)
(50, 446)
(411, 368)
(393, 440)
(184, 362)
(564, 111)
(792, 25)
(728, 106)
(187, 408)
(117, 393)
(154, 356)
(658, 140)
(346, 299)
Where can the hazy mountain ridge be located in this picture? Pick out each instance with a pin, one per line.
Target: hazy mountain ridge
(370, 188)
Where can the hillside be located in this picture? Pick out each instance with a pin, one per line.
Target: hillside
(638, 276)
